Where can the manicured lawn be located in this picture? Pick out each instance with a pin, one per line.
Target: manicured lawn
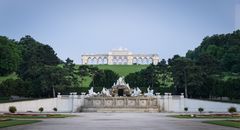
(221, 116)
(11, 122)
(123, 70)
(29, 116)
(229, 123)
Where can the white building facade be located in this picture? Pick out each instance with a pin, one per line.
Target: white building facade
(120, 57)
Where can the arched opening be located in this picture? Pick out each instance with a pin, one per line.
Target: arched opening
(145, 61)
(139, 60)
(125, 61)
(105, 61)
(134, 61)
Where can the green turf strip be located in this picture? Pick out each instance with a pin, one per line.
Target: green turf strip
(16, 122)
(229, 123)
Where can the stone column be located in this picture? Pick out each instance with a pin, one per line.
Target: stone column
(181, 103)
(109, 60)
(84, 60)
(129, 60)
(155, 59)
(170, 102)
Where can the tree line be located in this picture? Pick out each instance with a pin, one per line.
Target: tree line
(212, 70)
(41, 73)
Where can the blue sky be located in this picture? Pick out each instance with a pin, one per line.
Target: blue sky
(75, 27)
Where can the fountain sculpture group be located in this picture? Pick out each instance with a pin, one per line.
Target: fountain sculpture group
(120, 98)
(120, 88)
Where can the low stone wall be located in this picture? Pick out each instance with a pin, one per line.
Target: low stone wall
(120, 104)
(159, 103)
(33, 105)
(208, 106)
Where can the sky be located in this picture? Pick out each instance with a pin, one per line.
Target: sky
(76, 27)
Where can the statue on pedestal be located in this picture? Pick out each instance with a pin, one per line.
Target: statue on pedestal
(105, 92)
(136, 92)
(149, 92)
(91, 92)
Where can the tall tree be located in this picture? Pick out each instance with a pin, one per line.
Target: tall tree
(10, 56)
(34, 55)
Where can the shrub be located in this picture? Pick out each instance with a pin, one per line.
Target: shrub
(232, 110)
(55, 109)
(200, 109)
(185, 109)
(41, 109)
(12, 109)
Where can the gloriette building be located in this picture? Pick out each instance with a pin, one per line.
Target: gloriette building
(120, 57)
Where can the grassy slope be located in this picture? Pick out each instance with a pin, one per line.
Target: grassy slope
(121, 70)
(11, 76)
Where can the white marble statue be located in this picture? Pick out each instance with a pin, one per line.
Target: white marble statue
(91, 92)
(121, 81)
(149, 92)
(105, 92)
(136, 92)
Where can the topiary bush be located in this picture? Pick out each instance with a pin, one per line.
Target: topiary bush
(232, 110)
(12, 109)
(41, 109)
(200, 109)
(185, 109)
(55, 109)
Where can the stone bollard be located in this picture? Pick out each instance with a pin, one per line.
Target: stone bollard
(158, 95)
(59, 95)
(182, 95)
(165, 95)
(170, 95)
(75, 95)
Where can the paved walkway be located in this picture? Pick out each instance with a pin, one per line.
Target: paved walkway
(120, 121)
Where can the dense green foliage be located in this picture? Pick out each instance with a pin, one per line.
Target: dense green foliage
(100, 78)
(157, 77)
(12, 109)
(36, 66)
(210, 71)
(41, 109)
(222, 49)
(34, 55)
(232, 110)
(10, 56)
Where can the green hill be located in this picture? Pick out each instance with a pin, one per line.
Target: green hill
(122, 70)
(11, 76)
